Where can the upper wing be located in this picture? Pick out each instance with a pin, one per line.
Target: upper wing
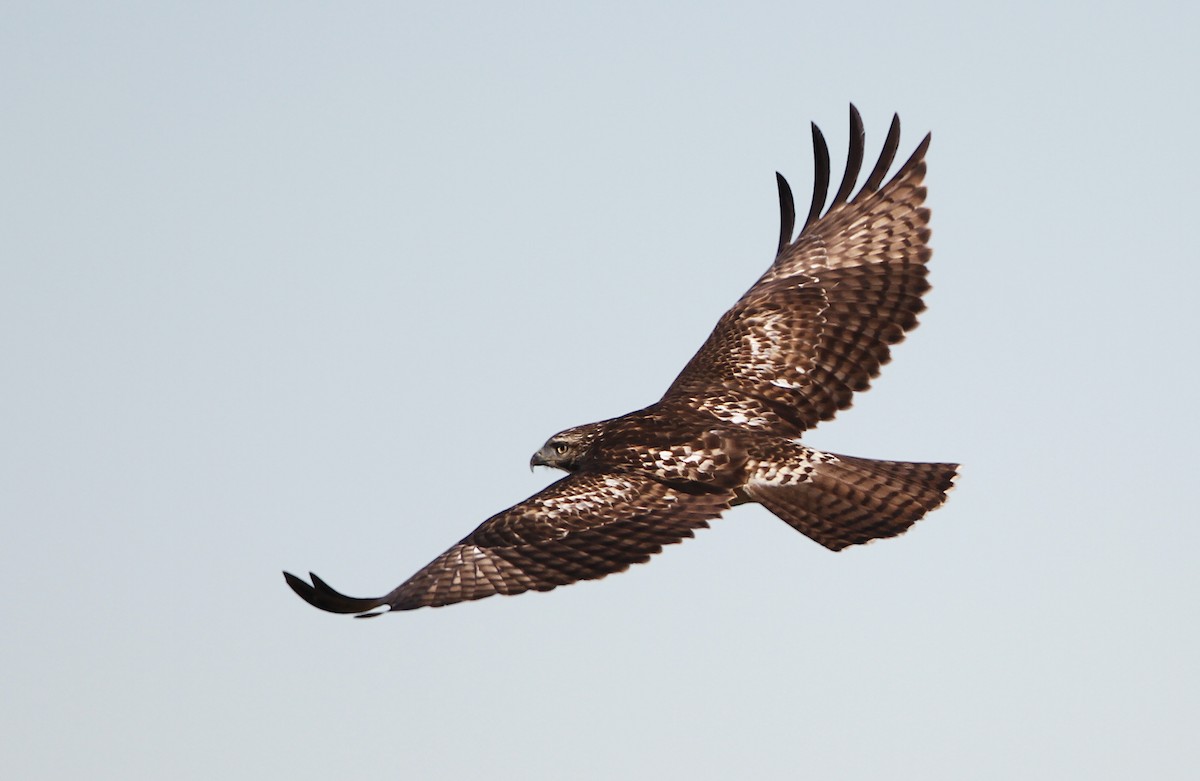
(817, 326)
(582, 527)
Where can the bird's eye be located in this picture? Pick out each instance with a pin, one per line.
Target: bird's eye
(560, 448)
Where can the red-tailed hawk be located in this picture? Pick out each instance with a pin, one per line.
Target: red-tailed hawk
(815, 328)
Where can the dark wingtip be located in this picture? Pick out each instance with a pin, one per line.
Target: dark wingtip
(322, 596)
(820, 175)
(854, 158)
(916, 159)
(890, 145)
(299, 586)
(787, 212)
(919, 153)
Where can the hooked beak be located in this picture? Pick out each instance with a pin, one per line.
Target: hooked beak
(537, 460)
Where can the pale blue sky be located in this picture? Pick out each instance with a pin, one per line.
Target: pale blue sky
(302, 285)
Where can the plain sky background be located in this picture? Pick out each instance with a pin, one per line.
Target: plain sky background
(303, 285)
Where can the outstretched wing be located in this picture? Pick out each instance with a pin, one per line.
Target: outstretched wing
(818, 325)
(582, 527)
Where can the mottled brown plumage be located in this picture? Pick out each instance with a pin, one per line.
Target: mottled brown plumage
(814, 329)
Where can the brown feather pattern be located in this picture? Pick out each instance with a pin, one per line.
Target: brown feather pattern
(840, 295)
(814, 329)
(582, 527)
(840, 501)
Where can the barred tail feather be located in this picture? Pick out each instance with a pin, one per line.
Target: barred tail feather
(849, 501)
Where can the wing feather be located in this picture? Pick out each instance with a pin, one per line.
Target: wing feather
(890, 145)
(853, 159)
(582, 527)
(820, 177)
(787, 212)
(818, 325)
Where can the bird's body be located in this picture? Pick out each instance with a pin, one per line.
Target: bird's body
(813, 330)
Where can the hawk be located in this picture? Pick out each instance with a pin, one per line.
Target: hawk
(813, 330)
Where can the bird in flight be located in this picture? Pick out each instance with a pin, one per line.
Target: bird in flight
(813, 330)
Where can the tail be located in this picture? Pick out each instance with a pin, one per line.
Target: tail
(848, 501)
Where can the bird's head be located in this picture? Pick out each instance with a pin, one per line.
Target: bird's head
(566, 450)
